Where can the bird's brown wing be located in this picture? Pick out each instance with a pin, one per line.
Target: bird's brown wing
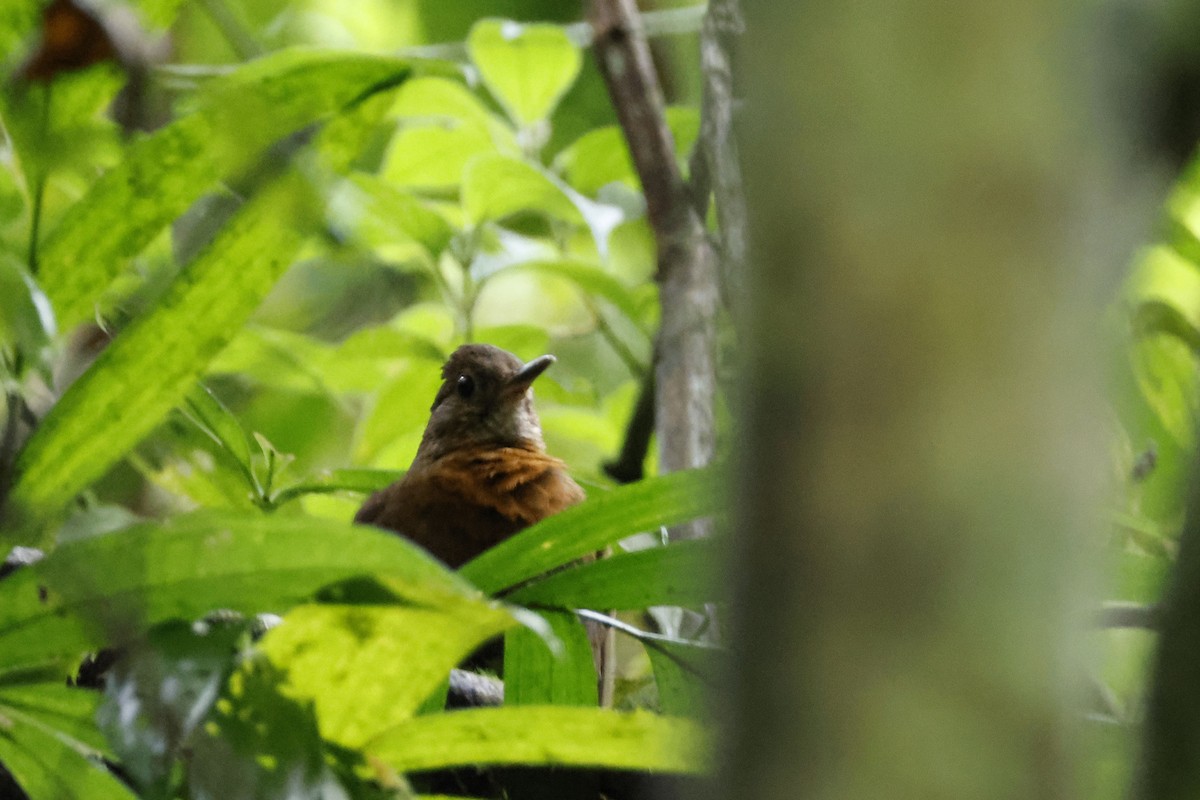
(469, 501)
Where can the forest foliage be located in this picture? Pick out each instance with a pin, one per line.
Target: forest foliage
(228, 279)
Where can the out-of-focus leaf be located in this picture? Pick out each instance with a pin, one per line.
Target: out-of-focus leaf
(433, 156)
(497, 186)
(219, 423)
(162, 174)
(685, 674)
(1165, 370)
(114, 404)
(362, 481)
(677, 575)
(93, 591)
(49, 765)
(595, 524)
(550, 735)
(601, 157)
(590, 279)
(527, 68)
(26, 320)
(536, 674)
(438, 100)
(59, 707)
(367, 667)
(1165, 289)
(401, 410)
(385, 214)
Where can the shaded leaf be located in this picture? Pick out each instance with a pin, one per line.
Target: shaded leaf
(51, 766)
(676, 575)
(595, 524)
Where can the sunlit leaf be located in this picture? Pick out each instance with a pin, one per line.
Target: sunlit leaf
(601, 156)
(162, 174)
(93, 591)
(433, 156)
(548, 735)
(369, 667)
(527, 68)
(497, 186)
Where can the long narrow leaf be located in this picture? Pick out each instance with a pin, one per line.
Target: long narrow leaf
(163, 174)
(152, 364)
(93, 591)
(594, 525)
(676, 575)
(545, 735)
(49, 768)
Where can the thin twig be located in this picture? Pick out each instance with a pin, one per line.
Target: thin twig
(687, 264)
(629, 466)
(1128, 615)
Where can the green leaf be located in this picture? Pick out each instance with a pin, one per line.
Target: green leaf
(684, 675)
(601, 156)
(545, 735)
(527, 68)
(591, 279)
(679, 574)
(60, 707)
(360, 481)
(496, 186)
(535, 674)
(368, 668)
(384, 214)
(440, 100)
(26, 320)
(90, 592)
(594, 525)
(150, 366)
(51, 766)
(163, 174)
(433, 156)
(220, 424)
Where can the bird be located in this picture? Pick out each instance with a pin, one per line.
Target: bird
(481, 472)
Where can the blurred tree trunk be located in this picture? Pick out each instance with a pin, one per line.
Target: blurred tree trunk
(920, 446)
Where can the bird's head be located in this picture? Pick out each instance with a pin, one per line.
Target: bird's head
(485, 399)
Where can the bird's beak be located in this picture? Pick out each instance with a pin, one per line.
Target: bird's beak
(528, 373)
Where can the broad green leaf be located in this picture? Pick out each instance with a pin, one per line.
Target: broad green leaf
(679, 574)
(685, 674)
(368, 668)
(60, 707)
(535, 674)
(401, 410)
(590, 279)
(433, 156)
(497, 186)
(594, 525)
(90, 592)
(601, 156)
(150, 365)
(439, 99)
(545, 735)
(527, 68)
(163, 174)
(50, 766)
(383, 214)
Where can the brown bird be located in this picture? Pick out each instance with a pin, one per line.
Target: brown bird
(481, 472)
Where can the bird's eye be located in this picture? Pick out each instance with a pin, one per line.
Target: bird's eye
(466, 386)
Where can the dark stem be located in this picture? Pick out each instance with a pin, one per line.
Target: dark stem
(629, 466)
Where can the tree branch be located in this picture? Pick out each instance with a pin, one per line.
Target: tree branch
(686, 365)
